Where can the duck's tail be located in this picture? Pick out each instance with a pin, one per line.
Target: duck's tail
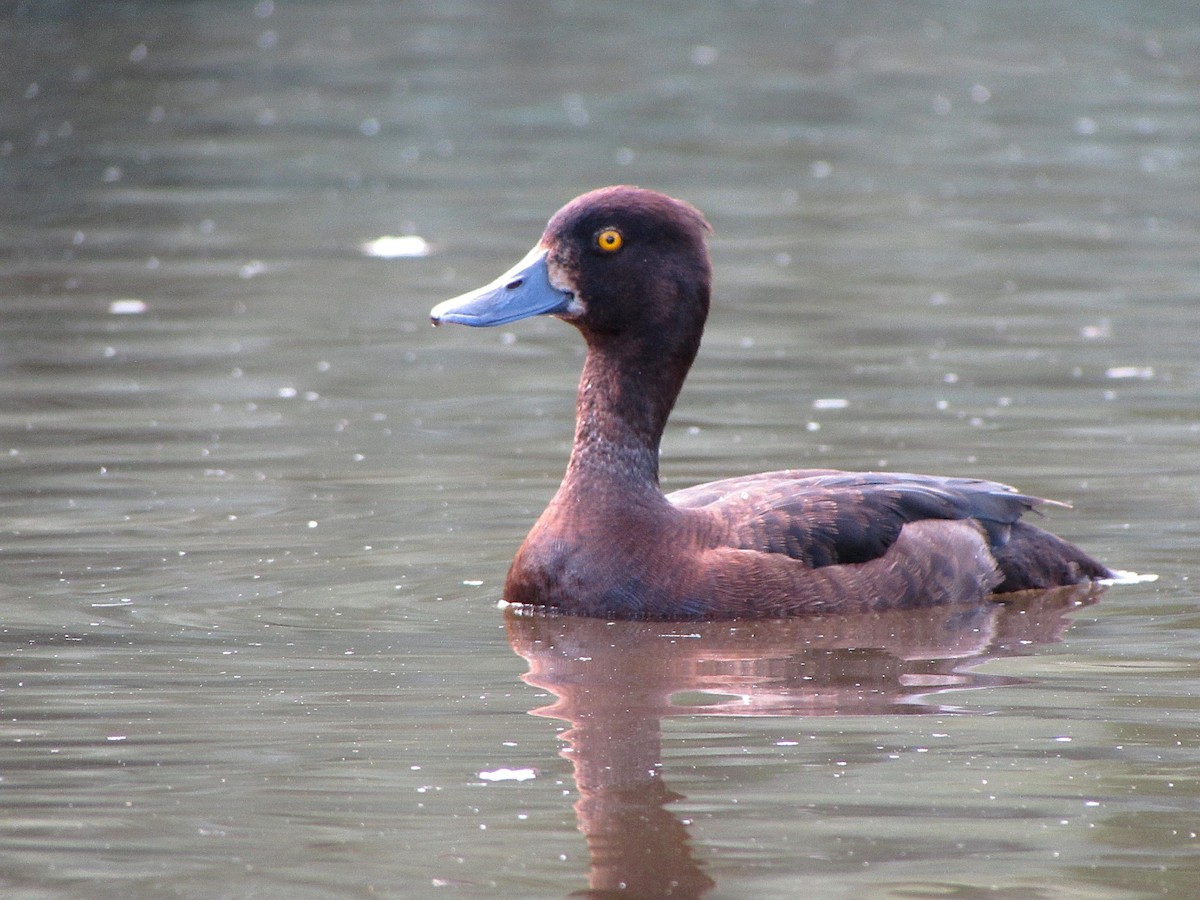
(1033, 559)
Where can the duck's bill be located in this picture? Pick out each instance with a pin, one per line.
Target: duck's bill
(523, 291)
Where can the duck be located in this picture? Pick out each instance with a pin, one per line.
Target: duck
(629, 268)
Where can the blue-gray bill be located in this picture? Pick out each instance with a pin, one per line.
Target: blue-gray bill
(523, 291)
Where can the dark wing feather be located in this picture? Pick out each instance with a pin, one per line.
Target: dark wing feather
(827, 518)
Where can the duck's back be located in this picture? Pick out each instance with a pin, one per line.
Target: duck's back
(891, 539)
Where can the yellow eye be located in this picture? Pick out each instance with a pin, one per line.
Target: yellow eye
(609, 240)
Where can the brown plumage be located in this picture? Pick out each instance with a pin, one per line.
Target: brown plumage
(630, 269)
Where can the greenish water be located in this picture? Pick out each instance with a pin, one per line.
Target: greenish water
(257, 513)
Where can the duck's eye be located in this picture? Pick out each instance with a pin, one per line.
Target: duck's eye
(609, 240)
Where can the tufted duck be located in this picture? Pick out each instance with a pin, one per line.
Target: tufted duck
(629, 268)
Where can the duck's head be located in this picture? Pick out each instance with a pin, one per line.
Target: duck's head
(615, 261)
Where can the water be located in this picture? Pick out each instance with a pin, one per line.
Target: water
(257, 514)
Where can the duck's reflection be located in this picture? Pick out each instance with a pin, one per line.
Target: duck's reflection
(615, 681)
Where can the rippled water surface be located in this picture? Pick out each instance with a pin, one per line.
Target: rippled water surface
(257, 513)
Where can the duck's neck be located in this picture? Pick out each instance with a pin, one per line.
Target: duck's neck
(626, 393)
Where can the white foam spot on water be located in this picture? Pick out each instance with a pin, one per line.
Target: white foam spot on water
(127, 306)
(1123, 577)
(509, 774)
(830, 403)
(1142, 372)
(391, 246)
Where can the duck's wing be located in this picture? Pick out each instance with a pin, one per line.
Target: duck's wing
(713, 491)
(825, 518)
